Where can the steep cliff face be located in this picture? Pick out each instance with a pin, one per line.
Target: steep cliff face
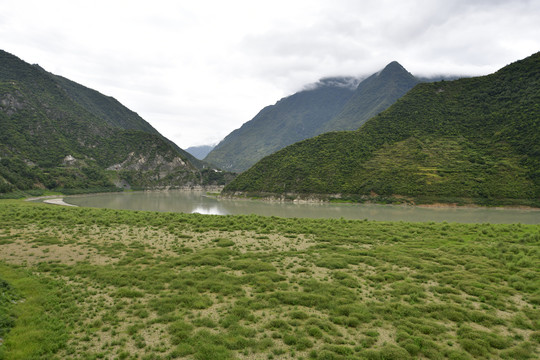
(114, 113)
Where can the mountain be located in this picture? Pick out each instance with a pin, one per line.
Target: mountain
(291, 119)
(200, 151)
(373, 95)
(475, 140)
(333, 104)
(104, 107)
(114, 113)
(56, 134)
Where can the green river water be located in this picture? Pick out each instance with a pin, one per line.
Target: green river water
(198, 202)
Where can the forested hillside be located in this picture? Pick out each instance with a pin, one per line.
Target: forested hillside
(476, 139)
(114, 113)
(332, 104)
(56, 134)
(293, 118)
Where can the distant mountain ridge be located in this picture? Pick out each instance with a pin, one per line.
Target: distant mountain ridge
(339, 103)
(56, 134)
(291, 119)
(471, 140)
(200, 151)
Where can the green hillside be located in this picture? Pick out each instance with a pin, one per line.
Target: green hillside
(294, 118)
(476, 139)
(334, 104)
(114, 113)
(105, 107)
(48, 140)
(373, 95)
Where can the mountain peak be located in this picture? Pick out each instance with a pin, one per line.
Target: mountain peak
(395, 64)
(373, 95)
(393, 67)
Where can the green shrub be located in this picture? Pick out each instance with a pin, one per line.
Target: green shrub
(128, 293)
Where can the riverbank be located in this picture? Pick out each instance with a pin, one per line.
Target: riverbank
(50, 199)
(395, 200)
(57, 201)
(474, 206)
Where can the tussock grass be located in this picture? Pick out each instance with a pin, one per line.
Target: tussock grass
(95, 283)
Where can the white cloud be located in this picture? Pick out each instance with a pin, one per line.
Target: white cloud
(198, 70)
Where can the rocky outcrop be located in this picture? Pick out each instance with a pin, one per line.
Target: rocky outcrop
(69, 160)
(142, 162)
(10, 104)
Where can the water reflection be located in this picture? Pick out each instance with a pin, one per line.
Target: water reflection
(211, 210)
(198, 202)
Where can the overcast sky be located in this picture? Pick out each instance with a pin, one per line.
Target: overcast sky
(196, 70)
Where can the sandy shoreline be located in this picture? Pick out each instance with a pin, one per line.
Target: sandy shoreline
(58, 201)
(51, 199)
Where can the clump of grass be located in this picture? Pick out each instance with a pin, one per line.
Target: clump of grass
(221, 242)
(250, 286)
(46, 240)
(8, 239)
(8, 297)
(125, 292)
(41, 317)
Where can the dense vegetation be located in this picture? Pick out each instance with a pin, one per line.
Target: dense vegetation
(95, 283)
(105, 107)
(294, 118)
(114, 113)
(475, 139)
(56, 134)
(332, 104)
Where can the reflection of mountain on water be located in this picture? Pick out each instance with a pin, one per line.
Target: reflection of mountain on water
(211, 210)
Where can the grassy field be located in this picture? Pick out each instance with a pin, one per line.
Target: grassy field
(110, 284)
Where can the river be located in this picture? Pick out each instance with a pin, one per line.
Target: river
(199, 202)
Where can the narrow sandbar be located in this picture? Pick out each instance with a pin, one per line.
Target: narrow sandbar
(58, 201)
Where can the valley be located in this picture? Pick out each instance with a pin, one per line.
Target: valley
(158, 279)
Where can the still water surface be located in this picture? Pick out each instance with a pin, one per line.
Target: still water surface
(198, 202)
